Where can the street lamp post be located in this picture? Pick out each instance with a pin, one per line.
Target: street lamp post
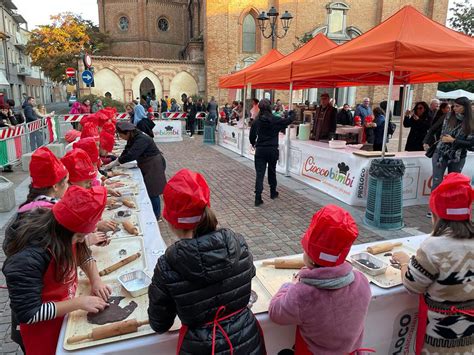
(271, 18)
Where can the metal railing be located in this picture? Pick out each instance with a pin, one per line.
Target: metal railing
(26, 137)
(23, 138)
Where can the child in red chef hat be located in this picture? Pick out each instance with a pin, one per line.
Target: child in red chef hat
(328, 300)
(81, 173)
(204, 278)
(107, 142)
(41, 267)
(441, 272)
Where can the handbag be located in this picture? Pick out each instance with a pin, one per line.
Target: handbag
(430, 152)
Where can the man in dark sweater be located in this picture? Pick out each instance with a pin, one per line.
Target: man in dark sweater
(36, 137)
(264, 137)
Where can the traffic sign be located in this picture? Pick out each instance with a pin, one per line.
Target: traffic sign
(87, 60)
(71, 81)
(87, 77)
(70, 72)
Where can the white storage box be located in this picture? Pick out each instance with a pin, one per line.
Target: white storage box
(25, 161)
(58, 149)
(7, 195)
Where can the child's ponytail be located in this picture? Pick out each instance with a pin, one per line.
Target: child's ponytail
(207, 224)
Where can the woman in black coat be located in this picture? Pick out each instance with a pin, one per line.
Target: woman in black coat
(204, 278)
(419, 122)
(142, 148)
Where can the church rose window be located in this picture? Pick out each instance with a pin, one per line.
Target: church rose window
(163, 24)
(123, 23)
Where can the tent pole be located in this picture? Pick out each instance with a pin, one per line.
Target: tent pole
(287, 135)
(243, 121)
(406, 90)
(387, 115)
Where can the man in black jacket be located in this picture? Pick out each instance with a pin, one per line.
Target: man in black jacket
(264, 137)
(36, 137)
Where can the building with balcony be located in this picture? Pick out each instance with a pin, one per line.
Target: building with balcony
(18, 78)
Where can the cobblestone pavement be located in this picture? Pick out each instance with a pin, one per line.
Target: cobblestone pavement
(273, 229)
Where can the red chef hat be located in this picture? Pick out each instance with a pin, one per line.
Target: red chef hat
(72, 135)
(107, 141)
(101, 118)
(79, 165)
(110, 112)
(89, 118)
(186, 195)
(90, 129)
(90, 147)
(45, 169)
(452, 199)
(330, 236)
(80, 209)
(109, 127)
(369, 119)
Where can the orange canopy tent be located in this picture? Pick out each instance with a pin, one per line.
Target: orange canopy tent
(278, 74)
(239, 79)
(415, 48)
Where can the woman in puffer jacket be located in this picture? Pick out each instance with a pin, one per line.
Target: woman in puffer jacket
(204, 278)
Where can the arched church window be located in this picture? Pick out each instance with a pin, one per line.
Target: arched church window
(163, 24)
(337, 18)
(123, 23)
(249, 34)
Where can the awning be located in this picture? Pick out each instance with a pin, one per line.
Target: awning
(3, 79)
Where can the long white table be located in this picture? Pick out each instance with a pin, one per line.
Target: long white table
(154, 248)
(338, 172)
(390, 325)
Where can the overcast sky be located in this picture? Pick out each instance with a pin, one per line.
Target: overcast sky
(37, 12)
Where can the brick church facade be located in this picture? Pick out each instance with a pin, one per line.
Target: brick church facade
(178, 45)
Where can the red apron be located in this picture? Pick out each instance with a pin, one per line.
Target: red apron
(215, 324)
(41, 338)
(423, 320)
(301, 348)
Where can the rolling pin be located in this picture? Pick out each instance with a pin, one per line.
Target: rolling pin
(130, 228)
(382, 247)
(119, 264)
(285, 263)
(128, 203)
(109, 331)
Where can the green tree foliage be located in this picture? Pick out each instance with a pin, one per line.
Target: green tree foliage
(463, 17)
(55, 47)
(462, 20)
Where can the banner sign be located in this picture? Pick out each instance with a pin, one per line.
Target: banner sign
(230, 137)
(338, 172)
(167, 131)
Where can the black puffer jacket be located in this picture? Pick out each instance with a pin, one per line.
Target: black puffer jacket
(266, 128)
(193, 279)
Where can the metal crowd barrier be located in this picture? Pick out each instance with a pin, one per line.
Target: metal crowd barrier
(24, 138)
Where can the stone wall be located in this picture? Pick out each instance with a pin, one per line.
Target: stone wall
(223, 33)
(122, 76)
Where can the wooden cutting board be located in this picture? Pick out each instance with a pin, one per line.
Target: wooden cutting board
(77, 323)
(110, 254)
(392, 276)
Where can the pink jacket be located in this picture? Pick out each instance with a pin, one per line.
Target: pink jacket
(35, 204)
(330, 321)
